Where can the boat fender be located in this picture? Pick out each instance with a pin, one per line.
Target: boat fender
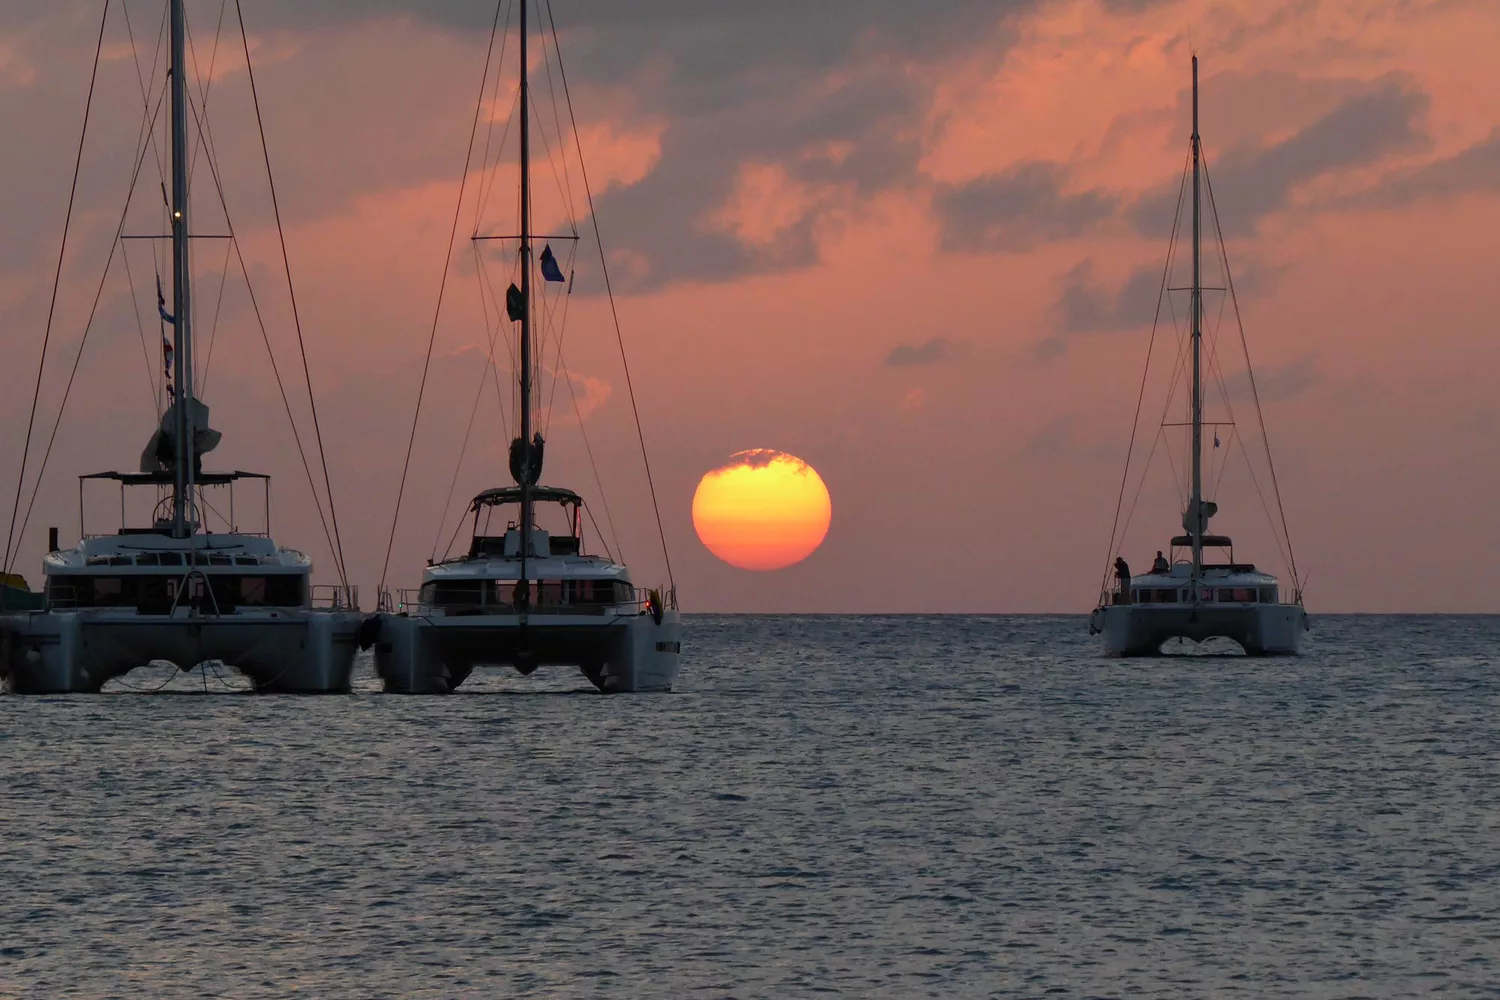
(653, 604)
(368, 632)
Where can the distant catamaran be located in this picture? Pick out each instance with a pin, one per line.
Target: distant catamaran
(171, 589)
(522, 595)
(1185, 596)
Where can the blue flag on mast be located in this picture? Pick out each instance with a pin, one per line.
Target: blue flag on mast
(161, 304)
(550, 270)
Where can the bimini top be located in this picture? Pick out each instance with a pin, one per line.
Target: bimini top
(167, 478)
(512, 494)
(1209, 541)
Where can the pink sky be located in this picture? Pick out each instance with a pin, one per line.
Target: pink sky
(897, 245)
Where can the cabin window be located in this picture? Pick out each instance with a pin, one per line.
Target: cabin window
(286, 590)
(600, 592)
(90, 591)
(457, 593)
(576, 593)
(1152, 595)
(154, 593)
(279, 591)
(543, 593)
(1240, 595)
(1268, 595)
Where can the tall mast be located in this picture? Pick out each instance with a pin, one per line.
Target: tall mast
(1195, 508)
(526, 503)
(182, 340)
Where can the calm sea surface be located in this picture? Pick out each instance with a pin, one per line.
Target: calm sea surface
(871, 807)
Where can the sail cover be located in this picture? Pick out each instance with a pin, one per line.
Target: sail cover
(161, 452)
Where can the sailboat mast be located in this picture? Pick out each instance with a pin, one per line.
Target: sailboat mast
(526, 501)
(182, 505)
(1195, 528)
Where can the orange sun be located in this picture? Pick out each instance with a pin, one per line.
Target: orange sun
(764, 510)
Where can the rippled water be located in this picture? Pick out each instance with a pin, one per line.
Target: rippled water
(873, 807)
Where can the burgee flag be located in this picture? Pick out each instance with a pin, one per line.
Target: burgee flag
(550, 270)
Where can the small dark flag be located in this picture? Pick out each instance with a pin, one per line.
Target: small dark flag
(550, 270)
(1216, 439)
(515, 304)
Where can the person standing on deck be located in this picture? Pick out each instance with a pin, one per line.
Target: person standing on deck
(1122, 578)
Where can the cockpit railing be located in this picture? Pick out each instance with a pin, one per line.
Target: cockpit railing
(335, 597)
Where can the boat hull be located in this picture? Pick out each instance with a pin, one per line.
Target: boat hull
(1140, 629)
(418, 654)
(288, 651)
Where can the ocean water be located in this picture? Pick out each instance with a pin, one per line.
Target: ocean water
(865, 807)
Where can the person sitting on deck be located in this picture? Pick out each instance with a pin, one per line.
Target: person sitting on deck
(1160, 564)
(1122, 578)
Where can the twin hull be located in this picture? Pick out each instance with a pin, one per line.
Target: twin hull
(1140, 629)
(297, 651)
(289, 650)
(420, 654)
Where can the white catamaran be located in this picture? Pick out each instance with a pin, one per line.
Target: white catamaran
(171, 589)
(1185, 596)
(526, 593)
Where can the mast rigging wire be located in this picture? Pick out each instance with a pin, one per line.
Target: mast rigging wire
(562, 330)
(135, 310)
(1141, 395)
(609, 291)
(1254, 391)
(484, 377)
(145, 143)
(161, 34)
(1282, 538)
(10, 537)
(204, 83)
(486, 174)
(292, 294)
(82, 343)
(206, 142)
(594, 466)
(567, 181)
(442, 286)
(286, 402)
